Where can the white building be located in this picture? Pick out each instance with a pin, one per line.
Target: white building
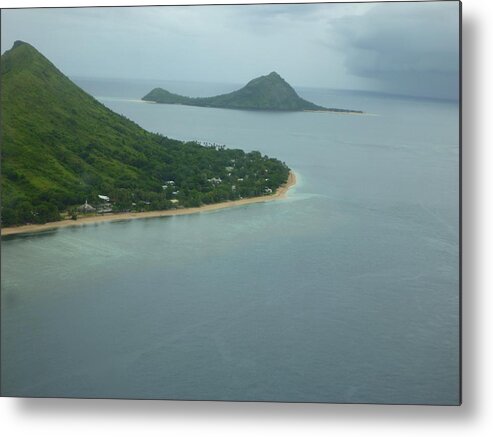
(86, 208)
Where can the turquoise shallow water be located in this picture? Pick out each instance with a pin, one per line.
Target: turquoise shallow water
(347, 291)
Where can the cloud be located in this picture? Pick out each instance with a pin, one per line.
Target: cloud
(408, 48)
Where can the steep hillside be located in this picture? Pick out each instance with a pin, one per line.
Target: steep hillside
(60, 146)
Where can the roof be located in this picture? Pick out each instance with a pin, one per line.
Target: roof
(86, 207)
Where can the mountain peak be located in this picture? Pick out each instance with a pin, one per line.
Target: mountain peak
(269, 93)
(24, 57)
(23, 47)
(272, 77)
(19, 43)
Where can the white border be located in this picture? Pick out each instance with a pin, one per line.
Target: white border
(475, 418)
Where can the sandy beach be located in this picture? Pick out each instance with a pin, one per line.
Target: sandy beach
(280, 193)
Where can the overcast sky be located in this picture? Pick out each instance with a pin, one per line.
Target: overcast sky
(405, 48)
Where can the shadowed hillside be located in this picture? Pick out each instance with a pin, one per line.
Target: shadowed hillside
(269, 92)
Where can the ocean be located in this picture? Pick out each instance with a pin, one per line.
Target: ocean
(347, 291)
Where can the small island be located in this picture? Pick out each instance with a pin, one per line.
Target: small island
(268, 93)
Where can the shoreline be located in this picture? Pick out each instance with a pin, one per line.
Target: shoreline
(335, 110)
(280, 193)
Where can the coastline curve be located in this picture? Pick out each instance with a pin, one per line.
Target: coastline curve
(280, 193)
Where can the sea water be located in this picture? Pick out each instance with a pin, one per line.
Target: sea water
(346, 291)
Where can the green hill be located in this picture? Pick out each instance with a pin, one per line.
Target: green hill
(269, 92)
(60, 146)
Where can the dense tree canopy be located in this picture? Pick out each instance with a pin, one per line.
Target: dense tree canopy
(61, 147)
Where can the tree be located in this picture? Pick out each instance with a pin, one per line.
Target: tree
(9, 216)
(46, 212)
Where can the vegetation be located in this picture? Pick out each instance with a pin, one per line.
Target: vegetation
(269, 92)
(61, 147)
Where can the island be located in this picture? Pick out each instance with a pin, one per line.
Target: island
(67, 158)
(268, 93)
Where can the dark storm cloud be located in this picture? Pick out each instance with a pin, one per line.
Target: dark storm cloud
(408, 48)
